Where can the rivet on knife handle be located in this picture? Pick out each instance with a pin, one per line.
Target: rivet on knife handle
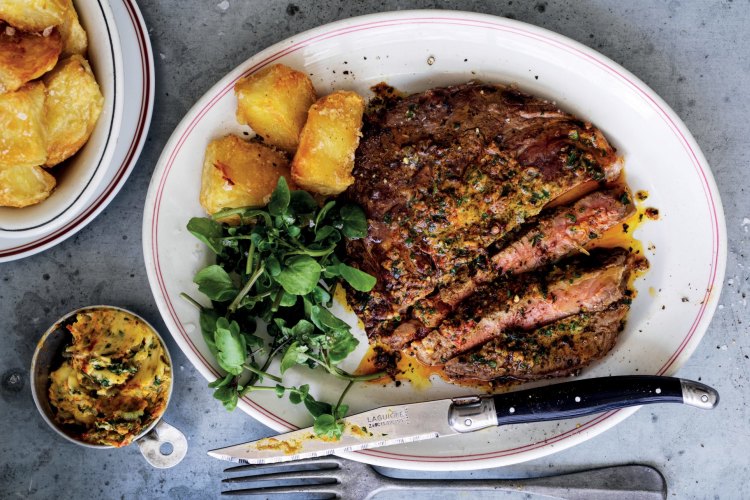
(699, 395)
(472, 413)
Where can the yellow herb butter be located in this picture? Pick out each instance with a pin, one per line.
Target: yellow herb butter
(115, 379)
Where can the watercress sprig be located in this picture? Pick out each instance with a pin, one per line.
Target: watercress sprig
(279, 266)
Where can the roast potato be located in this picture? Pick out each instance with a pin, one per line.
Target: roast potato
(73, 105)
(26, 56)
(33, 15)
(325, 157)
(274, 102)
(238, 173)
(22, 137)
(24, 185)
(75, 40)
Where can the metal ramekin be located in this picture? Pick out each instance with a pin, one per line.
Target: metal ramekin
(48, 354)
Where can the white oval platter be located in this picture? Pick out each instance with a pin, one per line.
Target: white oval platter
(416, 50)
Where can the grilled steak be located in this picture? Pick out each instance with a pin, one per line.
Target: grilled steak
(582, 285)
(561, 348)
(558, 234)
(444, 174)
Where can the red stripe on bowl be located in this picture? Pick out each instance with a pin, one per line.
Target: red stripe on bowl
(125, 167)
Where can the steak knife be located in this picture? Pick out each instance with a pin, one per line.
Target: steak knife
(398, 424)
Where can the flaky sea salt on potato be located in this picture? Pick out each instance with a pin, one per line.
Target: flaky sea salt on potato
(26, 56)
(22, 135)
(33, 15)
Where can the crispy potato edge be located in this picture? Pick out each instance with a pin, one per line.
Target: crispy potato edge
(23, 186)
(274, 103)
(325, 158)
(72, 108)
(238, 173)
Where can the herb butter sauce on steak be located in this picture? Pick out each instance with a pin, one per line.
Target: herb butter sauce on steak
(453, 181)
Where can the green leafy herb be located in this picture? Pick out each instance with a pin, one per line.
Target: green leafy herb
(326, 425)
(342, 345)
(214, 282)
(302, 202)
(354, 222)
(231, 346)
(208, 231)
(357, 279)
(317, 408)
(280, 198)
(278, 269)
(325, 320)
(208, 319)
(294, 355)
(300, 275)
(228, 396)
(221, 382)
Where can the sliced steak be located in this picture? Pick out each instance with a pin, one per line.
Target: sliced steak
(584, 285)
(444, 174)
(558, 349)
(562, 232)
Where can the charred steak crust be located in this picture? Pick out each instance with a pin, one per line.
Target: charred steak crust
(444, 174)
(560, 348)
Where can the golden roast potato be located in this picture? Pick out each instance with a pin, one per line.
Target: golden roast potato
(74, 102)
(22, 137)
(24, 185)
(274, 102)
(74, 37)
(26, 56)
(238, 173)
(33, 15)
(325, 158)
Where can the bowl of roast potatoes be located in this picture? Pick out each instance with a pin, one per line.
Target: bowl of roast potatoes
(61, 86)
(307, 139)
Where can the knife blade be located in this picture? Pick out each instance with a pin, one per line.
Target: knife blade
(398, 424)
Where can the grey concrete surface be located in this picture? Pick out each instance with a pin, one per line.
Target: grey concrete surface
(695, 54)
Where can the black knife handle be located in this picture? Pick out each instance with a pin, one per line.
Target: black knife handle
(576, 399)
(587, 396)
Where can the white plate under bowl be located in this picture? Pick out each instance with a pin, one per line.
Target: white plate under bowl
(79, 177)
(421, 49)
(138, 92)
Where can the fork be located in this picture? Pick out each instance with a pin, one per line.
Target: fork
(335, 477)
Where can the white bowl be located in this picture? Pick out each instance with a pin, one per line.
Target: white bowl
(79, 177)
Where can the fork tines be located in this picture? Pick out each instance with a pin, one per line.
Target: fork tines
(317, 476)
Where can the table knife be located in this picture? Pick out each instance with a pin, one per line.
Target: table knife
(398, 424)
